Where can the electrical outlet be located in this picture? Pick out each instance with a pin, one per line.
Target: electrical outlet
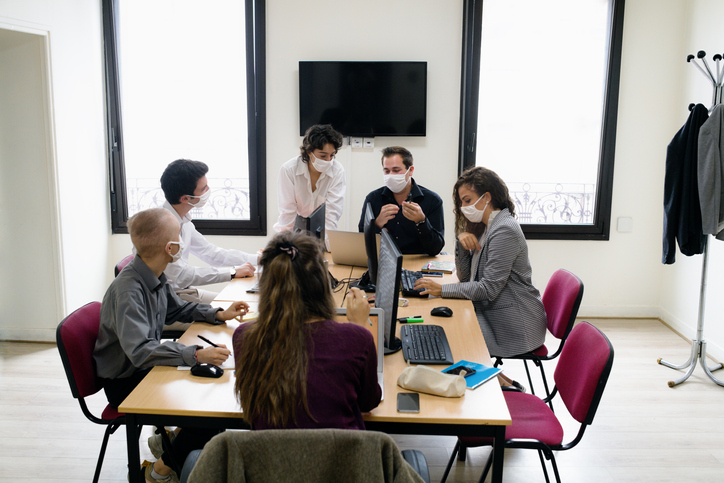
(355, 142)
(369, 142)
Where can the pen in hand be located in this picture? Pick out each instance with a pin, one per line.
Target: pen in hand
(207, 340)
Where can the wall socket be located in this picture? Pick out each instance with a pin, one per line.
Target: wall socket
(368, 142)
(355, 142)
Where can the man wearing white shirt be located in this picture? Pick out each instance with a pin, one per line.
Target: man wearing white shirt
(312, 178)
(185, 187)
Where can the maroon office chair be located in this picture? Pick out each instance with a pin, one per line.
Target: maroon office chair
(122, 264)
(580, 378)
(76, 337)
(561, 299)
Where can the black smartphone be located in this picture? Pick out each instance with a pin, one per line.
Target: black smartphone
(469, 371)
(408, 402)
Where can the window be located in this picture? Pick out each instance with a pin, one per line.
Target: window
(185, 79)
(539, 106)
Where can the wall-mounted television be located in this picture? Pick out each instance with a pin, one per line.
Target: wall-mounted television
(364, 99)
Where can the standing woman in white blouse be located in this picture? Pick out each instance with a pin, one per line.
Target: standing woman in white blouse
(312, 178)
(491, 258)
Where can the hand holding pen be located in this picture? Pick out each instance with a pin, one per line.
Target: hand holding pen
(216, 354)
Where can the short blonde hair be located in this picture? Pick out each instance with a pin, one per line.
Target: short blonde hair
(151, 230)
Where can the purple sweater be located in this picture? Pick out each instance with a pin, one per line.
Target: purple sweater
(342, 377)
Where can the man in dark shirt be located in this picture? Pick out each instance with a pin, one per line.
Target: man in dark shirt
(411, 213)
(135, 308)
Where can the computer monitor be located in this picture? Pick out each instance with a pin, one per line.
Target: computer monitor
(370, 243)
(388, 288)
(313, 224)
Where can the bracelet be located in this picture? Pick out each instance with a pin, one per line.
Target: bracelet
(196, 358)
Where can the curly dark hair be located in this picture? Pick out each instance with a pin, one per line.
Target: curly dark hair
(317, 137)
(480, 180)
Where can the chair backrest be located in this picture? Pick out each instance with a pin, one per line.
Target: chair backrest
(304, 455)
(582, 371)
(561, 299)
(122, 264)
(76, 337)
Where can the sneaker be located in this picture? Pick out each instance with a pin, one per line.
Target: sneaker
(515, 387)
(155, 443)
(172, 478)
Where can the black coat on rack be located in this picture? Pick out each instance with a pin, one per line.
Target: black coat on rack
(682, 212)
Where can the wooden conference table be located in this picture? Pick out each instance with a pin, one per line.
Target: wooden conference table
(171, 397)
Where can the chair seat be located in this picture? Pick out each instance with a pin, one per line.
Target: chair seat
(111, 413)
(532, 419)
(541, 351)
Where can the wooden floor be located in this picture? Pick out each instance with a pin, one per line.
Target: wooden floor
(644, 431)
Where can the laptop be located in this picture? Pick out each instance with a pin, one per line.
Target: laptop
(376, 326)
(348, 247)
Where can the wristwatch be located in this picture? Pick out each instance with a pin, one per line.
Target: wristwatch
(233, 273)
(420, 222)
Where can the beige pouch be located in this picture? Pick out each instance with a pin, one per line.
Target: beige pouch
(428, 380)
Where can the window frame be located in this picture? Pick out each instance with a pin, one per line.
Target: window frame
(469, 96)
(255, 19)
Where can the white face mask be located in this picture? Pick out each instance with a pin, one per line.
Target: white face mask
(202, 199)
(180, 244)
(473, 214)
(321, 165)
(396, 182)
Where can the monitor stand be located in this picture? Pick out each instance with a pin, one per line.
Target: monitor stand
(394, 347)
(363, 283)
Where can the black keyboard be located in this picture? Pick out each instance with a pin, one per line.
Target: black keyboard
(425, 344)
(408, 279)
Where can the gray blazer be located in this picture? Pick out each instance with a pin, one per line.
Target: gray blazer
(509, 308)
(710, 173)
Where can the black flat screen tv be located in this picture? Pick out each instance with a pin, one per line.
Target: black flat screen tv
(364, 99)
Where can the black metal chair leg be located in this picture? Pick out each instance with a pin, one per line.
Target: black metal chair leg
(110, 429)
(450, 463)
(555, 468)
(462, 451)
(543, 464)
(530, 381)
(488, 465)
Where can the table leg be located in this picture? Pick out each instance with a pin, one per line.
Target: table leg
(134, 459)
(498, 450)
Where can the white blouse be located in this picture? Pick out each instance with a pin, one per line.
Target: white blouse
(295, 196)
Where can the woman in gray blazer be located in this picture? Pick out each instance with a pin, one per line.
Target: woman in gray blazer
(491, 258)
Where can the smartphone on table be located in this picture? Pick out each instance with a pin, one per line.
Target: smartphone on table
(408, 402)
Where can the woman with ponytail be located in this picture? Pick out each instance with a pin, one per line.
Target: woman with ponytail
(295, 366)
(491, 258)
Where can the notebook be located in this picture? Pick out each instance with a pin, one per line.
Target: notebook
(376, 326)
(348, 247)
(482, 373)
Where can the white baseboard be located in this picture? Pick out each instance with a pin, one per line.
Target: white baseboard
(27, 335)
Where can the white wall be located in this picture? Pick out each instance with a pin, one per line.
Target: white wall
(623, 276)
(77, 120)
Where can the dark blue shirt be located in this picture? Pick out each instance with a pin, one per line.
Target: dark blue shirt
(428, 237)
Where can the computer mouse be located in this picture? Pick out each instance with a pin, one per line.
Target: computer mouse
(442, 312)
(207, 370)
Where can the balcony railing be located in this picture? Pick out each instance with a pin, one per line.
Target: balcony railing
(535, 203)
(229, 198)
(553, 203)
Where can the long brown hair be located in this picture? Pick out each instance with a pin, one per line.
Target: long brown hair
(480, 180)
(272, 362)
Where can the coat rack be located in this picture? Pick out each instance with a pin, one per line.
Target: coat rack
(698, 345)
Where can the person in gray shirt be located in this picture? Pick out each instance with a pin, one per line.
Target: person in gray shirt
(135, 308)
